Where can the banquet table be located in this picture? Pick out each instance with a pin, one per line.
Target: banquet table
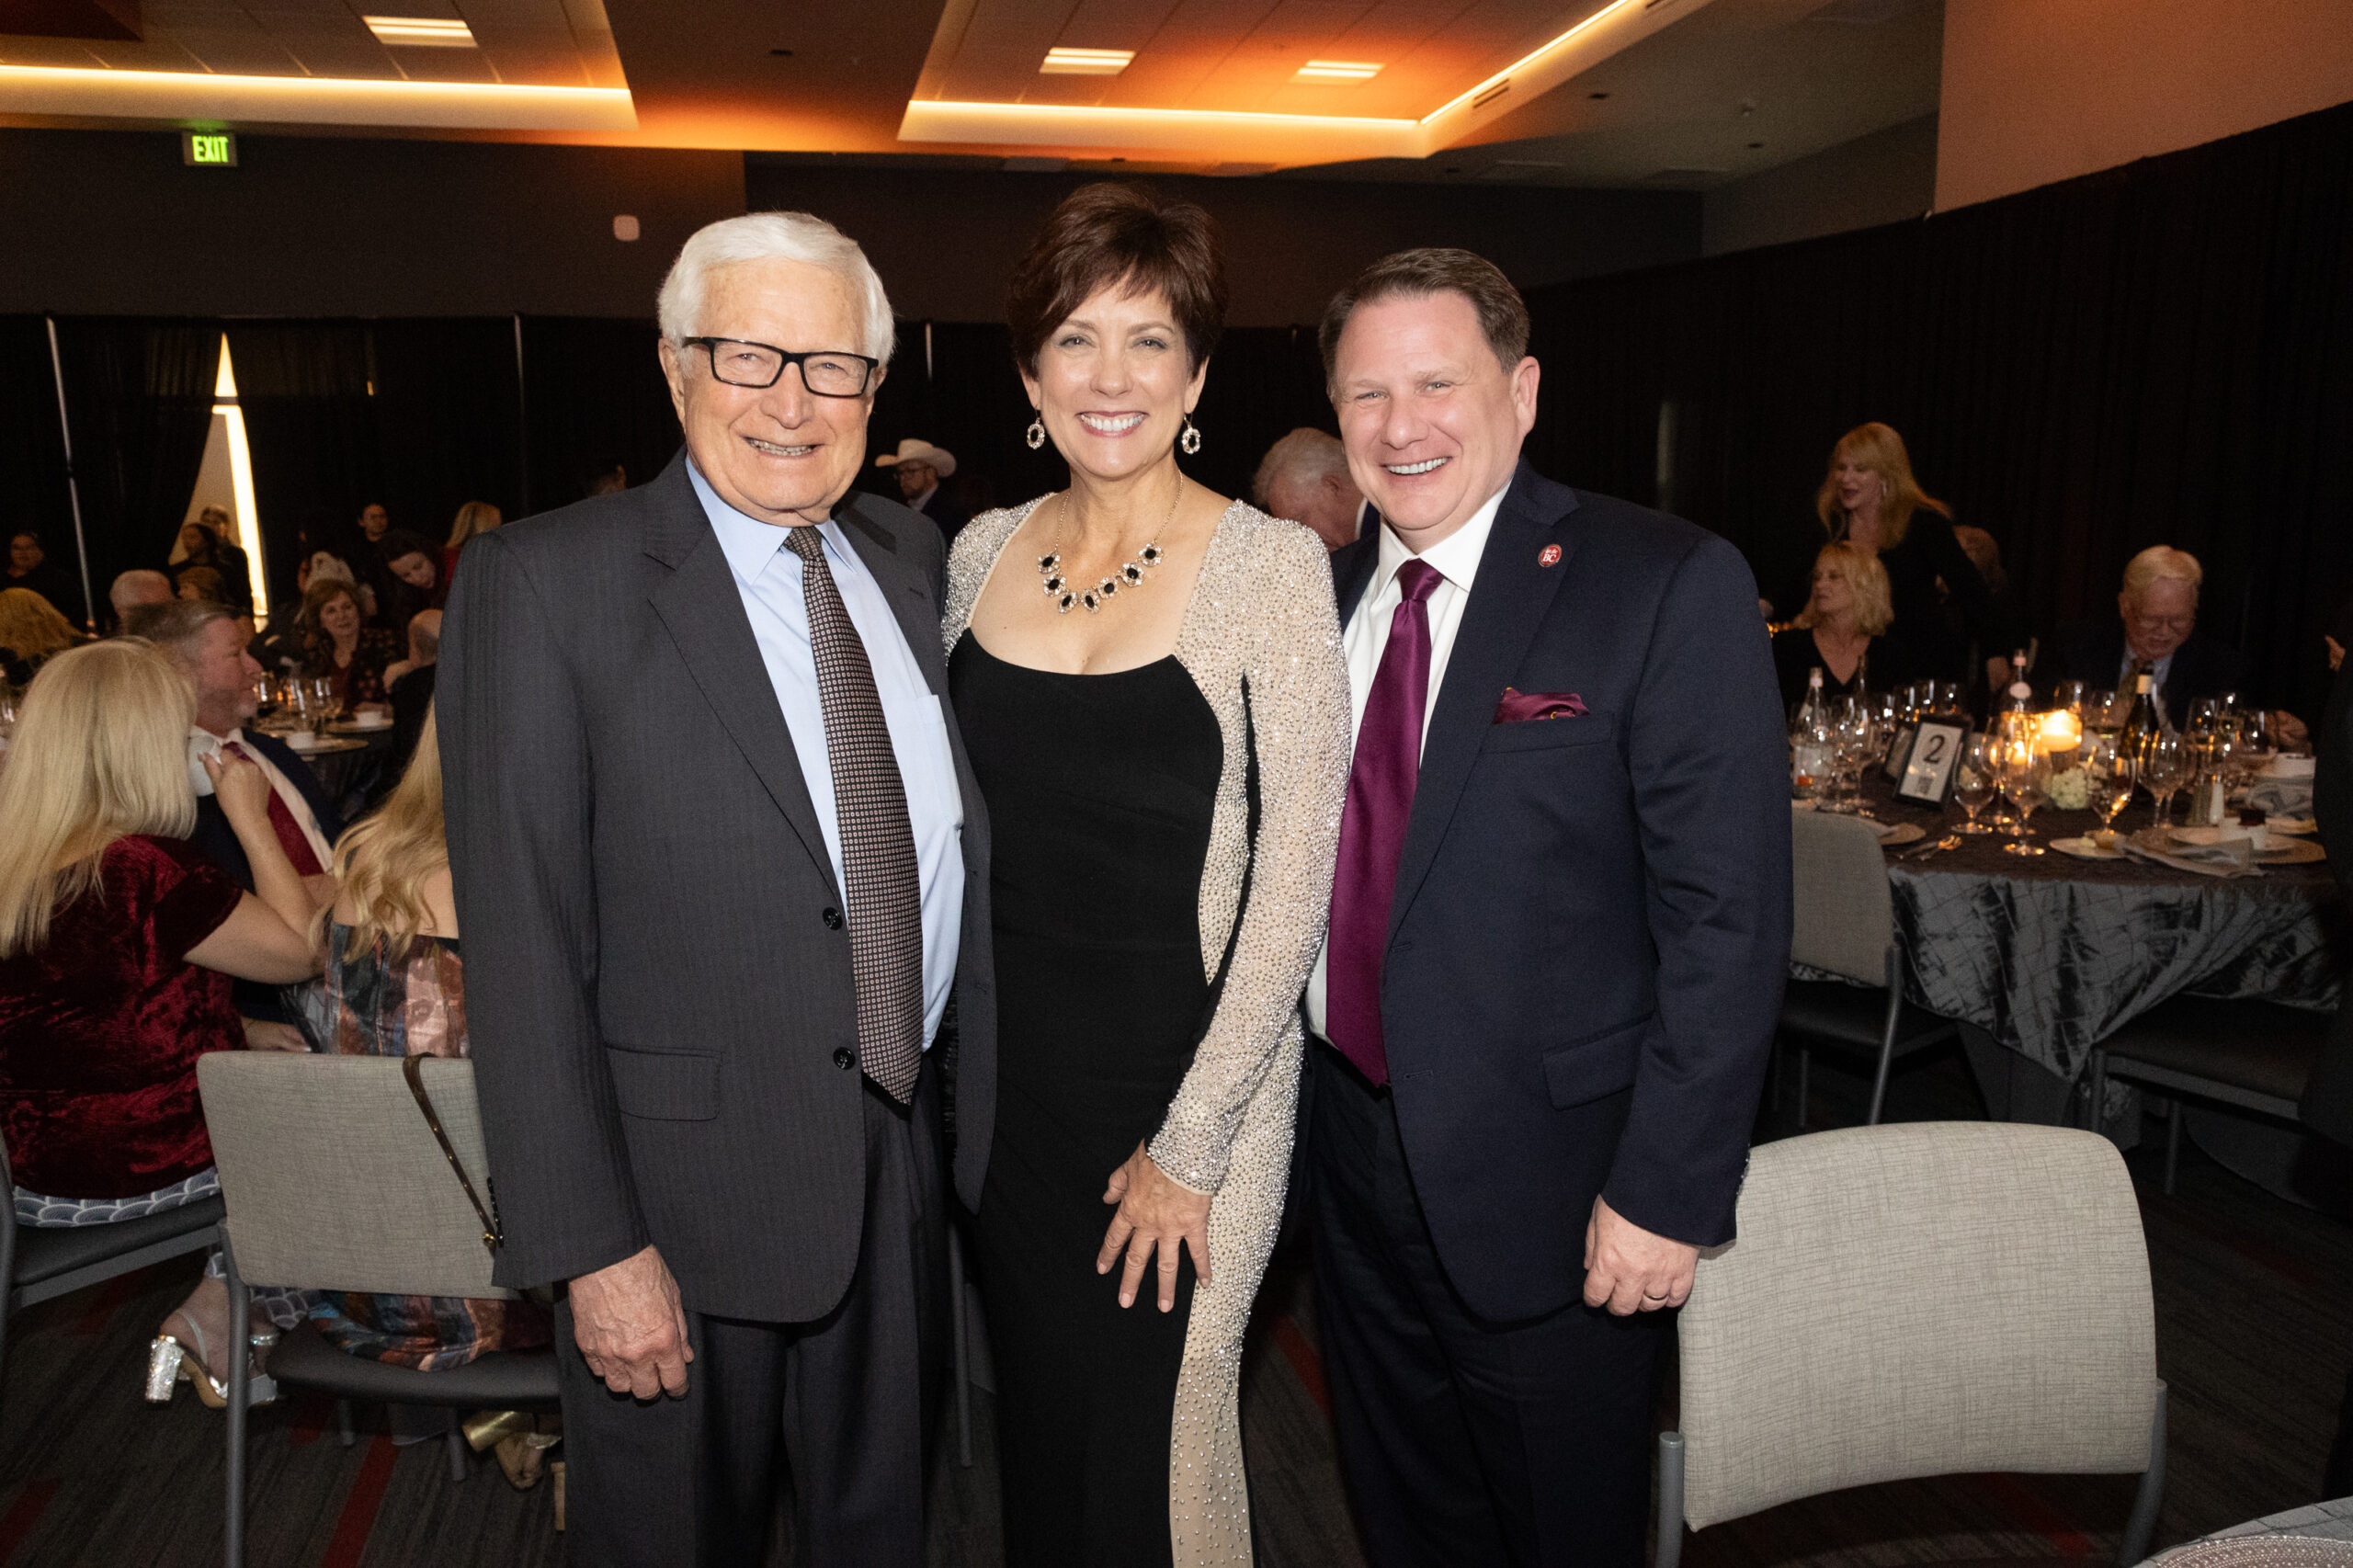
(2045, 956)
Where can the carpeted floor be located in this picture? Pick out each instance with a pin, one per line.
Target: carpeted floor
(2255, 1334)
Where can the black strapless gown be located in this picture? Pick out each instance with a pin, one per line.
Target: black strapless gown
(1099, 792)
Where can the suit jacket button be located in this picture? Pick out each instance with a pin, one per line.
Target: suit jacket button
(844, 1057)
(832, 919)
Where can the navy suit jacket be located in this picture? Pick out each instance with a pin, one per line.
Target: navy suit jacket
(213, 835)
(2093, 653)
(1591, 926)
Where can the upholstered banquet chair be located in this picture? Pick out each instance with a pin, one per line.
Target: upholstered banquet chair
(335, 1180)
(1925, 1298)
(1844, 926)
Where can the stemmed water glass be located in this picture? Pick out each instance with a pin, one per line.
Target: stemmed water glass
(2164, 766)
(2109, 782)
(2026, 780)
(1974, 782)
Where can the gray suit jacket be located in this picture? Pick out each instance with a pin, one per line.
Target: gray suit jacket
(658, 978)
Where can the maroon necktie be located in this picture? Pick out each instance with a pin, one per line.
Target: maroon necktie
(291, 837)
(1372, 827)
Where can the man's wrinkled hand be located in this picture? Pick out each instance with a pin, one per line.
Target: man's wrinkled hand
(631, 1329)
(1629, 1269)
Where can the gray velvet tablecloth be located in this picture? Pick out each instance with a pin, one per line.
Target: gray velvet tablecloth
(2049, 955)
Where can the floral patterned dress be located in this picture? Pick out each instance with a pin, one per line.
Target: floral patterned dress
(414, 1005)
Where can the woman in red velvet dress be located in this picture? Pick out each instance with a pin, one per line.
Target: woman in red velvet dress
(117, 940)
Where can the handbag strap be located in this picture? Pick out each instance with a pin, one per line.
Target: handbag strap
(413, 1069)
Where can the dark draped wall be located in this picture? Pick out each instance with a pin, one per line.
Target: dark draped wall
(423, 416)
(139, 395)
(593, 393)
(2160, 354)
(32, 459)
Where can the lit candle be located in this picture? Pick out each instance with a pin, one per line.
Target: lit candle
(2060, 731)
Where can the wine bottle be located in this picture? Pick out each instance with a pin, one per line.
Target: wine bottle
(2141, 721)
(1812, 744)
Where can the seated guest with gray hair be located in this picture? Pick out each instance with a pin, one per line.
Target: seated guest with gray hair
(2155, 630)
(1304, 477)
(136, 588)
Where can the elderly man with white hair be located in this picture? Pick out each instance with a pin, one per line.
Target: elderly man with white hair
(721, 866)
(1305, 477)
(2154, 631)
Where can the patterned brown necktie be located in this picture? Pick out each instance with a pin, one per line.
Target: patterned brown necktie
(885, 891)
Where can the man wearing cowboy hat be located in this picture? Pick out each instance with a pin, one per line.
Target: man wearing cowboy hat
(921, 467)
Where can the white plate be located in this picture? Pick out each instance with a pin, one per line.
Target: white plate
(1891, 835)
(2085, 849)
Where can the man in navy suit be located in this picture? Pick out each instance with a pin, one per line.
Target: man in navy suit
(1559, 930)
(204, 639)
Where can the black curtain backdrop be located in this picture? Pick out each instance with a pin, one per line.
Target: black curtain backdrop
(967, 397)
(2160, 354)
(32, 458)
(593, 393)
(422, 415)
(139, 394)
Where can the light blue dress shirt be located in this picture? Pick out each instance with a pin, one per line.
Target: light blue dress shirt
(768, 577)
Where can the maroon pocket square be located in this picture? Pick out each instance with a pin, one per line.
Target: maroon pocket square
(1518, 706)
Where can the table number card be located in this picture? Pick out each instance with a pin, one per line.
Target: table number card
(1930, 762)
(1898, 752)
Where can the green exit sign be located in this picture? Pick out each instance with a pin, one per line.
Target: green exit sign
(208, 147)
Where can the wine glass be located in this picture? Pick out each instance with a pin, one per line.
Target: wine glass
(2026, 780)
(2101, 715)
(2164, 766)
(1972, 782)
(2069, 695)
(2108, 779)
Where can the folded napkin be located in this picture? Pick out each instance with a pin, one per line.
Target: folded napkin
(2282, 797)
(2231, 857)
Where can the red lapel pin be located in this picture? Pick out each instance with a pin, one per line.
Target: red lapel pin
(1548, 556)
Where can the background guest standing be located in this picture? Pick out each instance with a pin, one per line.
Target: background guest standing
(1869, 499)
(28, 566)
(919, 467)
(1305, 477)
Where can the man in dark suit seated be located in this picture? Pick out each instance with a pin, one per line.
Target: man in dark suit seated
(1560, 926)
(203, 638)
(2155, 628)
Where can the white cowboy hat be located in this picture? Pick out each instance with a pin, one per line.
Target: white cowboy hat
(940, 460)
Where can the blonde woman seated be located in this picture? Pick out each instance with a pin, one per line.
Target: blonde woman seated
(394, 985)
(31, 632)
(117, 942)
(1842, 630)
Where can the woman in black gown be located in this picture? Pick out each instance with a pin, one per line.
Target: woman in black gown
(1128, 658)
(1868, 499)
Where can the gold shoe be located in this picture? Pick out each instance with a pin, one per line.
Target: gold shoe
(522, 1456)
(486, 1428)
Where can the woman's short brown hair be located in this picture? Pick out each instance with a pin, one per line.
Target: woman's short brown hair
(1434, 269)
(1110, 234)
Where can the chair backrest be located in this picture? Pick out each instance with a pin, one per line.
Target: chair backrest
(333, 1179)
(1925, 1298)
(1845, 917)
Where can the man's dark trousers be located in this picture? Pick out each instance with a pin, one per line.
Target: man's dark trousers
(1464, 1441)
(851, 1397)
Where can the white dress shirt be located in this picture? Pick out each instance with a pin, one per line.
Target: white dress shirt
(768, 577)
(203, 742)
(1455, 558)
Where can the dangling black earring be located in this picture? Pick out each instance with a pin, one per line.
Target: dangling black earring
(1191, 441)
(1035, 434)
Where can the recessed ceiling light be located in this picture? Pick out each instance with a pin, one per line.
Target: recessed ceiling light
(1337, 71)
(421, 33)
(1085, 62)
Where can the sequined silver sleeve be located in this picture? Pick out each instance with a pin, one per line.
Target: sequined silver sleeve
(1262, 614)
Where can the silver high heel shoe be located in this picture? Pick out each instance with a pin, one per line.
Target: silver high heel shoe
(170, 1362)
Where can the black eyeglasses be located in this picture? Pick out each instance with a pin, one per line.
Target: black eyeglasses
(828, 372)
